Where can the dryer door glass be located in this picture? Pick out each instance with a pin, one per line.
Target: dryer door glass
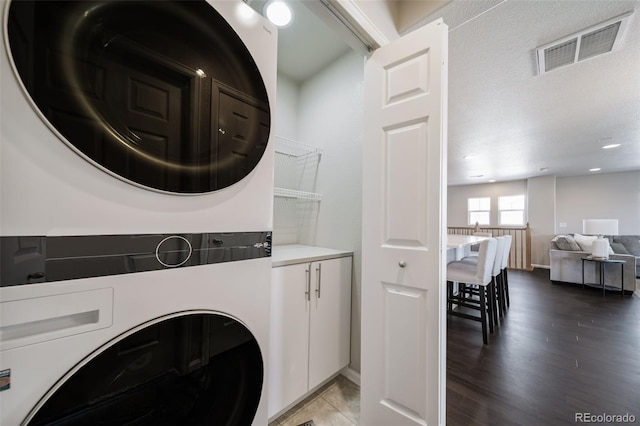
(163, 94)
(200, 369)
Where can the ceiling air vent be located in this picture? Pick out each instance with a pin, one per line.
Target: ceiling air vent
(590, 42)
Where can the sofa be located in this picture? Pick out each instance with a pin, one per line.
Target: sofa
(567, 250)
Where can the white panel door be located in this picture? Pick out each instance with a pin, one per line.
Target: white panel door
(404, 223)
(289, 339)
(330, 321)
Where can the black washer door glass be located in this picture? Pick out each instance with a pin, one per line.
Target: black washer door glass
(199, 369)
(161, 94)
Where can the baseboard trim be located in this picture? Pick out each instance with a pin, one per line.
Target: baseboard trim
(533, 265)
(351, 375)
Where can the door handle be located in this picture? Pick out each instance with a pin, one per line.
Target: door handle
(319, 276)
(402, 264)
(307, 293)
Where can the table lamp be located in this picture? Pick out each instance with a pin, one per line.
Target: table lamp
(600, 227)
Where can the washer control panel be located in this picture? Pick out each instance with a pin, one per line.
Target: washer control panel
(174, 251)
(35, 259)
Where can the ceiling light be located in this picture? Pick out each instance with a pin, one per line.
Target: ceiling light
(543, 169)
(278, 12)
(492, 180)
(466, 157)
(612, 145)
(476, 176)
(595, 169)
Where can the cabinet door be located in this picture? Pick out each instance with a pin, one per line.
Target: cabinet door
(289, 340)
(330, 319)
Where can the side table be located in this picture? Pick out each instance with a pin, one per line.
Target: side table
(601, 262)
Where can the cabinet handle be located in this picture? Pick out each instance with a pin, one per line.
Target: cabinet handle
(319, 274)
(307, 293)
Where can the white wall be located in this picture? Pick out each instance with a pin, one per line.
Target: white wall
(458, 195)
(541, 200)
(325, 111)
(599, 196)
(285, 221)
(330, 116)
(286, 116)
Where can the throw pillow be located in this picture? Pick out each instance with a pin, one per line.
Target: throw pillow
(631, 243)
(566, 242)
(609, 248)
(585, 241)
(619, 248)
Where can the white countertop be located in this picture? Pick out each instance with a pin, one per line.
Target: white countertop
(297, 253)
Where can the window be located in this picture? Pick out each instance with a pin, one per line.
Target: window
(511, 210)
(479, 210)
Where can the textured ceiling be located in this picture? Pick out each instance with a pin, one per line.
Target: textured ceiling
(512, 120)
(517, 121)
(307, 45)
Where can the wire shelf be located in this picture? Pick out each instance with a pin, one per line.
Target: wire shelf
(300, 195)
(294, 148)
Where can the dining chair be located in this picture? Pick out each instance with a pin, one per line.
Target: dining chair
(505, 279)
(479, 275)
(473, 250)
(496, 302)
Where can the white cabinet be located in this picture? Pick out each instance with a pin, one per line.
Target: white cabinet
(310, 327)
(289, 337)
(330, 319)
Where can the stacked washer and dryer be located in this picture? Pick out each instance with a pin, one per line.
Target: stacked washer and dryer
(136, 209)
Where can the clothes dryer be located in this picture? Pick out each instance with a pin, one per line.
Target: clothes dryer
(136, 207)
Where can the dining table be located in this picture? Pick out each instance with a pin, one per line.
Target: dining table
(458, 245)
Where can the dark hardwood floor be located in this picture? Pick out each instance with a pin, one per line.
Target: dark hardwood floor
(561, 350)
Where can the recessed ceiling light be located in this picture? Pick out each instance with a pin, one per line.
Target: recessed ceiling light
(595, 169)
(612, 145)
(492, 180)
(476, 176)
(466, 157)
(543, 169)
(278, 12)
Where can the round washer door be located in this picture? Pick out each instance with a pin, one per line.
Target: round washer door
(193, 369)
(162, 94)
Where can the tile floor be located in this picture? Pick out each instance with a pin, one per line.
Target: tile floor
(337, 403)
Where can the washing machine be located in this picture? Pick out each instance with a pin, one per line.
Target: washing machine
(136, 191)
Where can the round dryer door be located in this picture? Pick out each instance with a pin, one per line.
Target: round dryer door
(162, 94)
